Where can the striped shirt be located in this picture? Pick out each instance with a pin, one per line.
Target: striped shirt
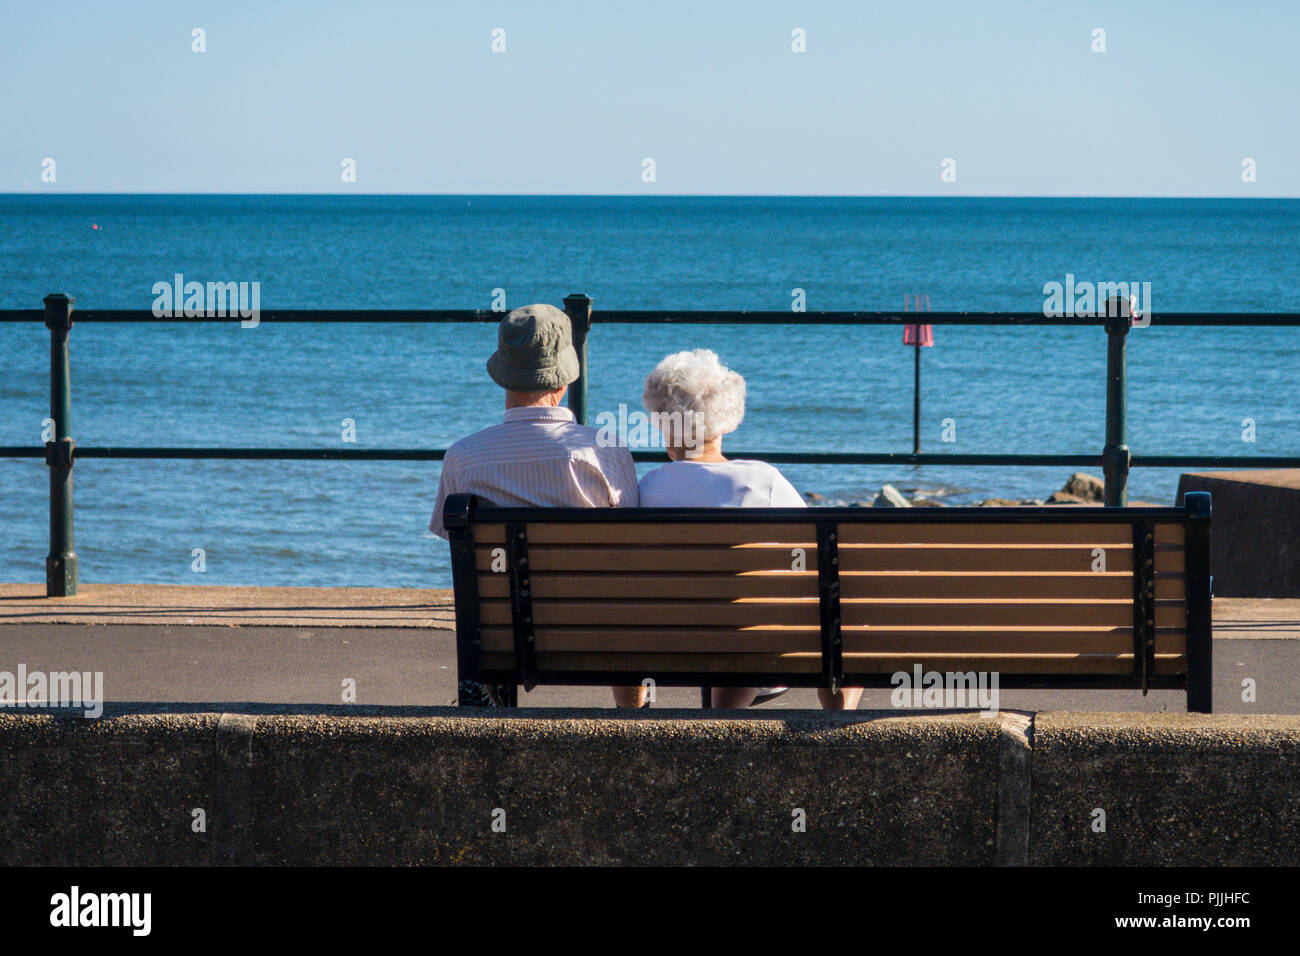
(538, 457)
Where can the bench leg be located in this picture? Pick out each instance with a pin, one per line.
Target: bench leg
(706, 698)
(470, 693)
(1200, 676)
(474, 694)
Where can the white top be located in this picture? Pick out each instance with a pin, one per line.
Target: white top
(538, 457)
(725, 484)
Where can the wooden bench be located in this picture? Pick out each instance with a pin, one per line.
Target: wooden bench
(1046, 597)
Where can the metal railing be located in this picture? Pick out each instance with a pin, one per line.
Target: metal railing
(1115, 459)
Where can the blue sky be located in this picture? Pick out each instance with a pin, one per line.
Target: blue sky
(712, 92)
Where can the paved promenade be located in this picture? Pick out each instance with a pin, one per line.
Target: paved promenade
(298, 646)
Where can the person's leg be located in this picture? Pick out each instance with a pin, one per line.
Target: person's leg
(730, 697)
(846, 698)
(634, 696)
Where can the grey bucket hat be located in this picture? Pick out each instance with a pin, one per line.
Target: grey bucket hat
(534, 350)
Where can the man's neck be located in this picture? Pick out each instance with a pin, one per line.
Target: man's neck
(534, 399)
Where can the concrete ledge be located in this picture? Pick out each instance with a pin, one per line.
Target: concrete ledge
(582, 788)
(104, 792)
(1176, 789)
(350, 786)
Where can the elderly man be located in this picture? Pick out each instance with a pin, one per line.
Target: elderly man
(539, 456)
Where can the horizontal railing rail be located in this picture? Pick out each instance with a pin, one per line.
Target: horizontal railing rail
(679, 316)
(1115, 458)
(227, 453)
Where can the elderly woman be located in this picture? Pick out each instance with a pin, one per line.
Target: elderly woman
(694, 400)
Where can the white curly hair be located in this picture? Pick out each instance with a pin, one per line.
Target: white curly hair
(694, 393)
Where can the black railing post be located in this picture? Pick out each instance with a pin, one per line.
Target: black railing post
(61, 562)
(578, 308)
(1115, 457)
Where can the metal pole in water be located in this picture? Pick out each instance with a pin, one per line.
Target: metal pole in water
(916, 397)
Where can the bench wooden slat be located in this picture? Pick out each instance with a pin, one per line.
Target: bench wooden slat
(658, 614)
(1171, 533)
(565, 584)
(696, 640)
(992, 557)
(1171, 585)
(1170, 557)
(642, 533)
(619, 559)
(645, 533)
(1060, 585)
(1009, 534)
(868, 612)
(1116, 535)
(636, 665)
(489, 533)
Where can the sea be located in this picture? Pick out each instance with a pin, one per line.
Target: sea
(1191, 391)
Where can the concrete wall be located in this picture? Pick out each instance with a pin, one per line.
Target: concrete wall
(1176, 789)
(419, 786)
(1255, 530)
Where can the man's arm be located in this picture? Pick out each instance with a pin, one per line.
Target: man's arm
(446, 486)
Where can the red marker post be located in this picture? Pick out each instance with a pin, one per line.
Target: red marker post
(919, 337)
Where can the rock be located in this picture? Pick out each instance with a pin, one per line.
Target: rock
(927, 503)
(997, 503)
(1065, 498)
(890, 497)
(1085, 487)
(813, 496)
(1032, 501)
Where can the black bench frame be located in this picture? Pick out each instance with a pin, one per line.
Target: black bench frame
(462, 511)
